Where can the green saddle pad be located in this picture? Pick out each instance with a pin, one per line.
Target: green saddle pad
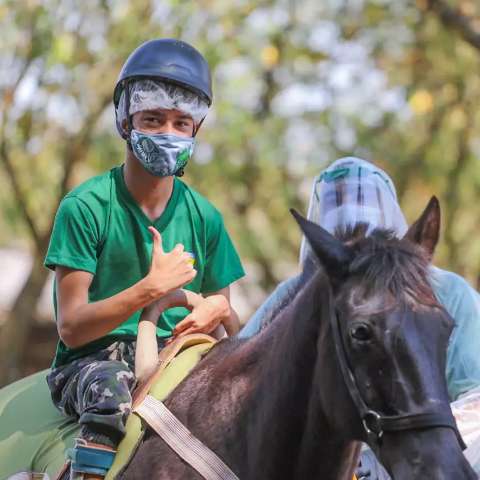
(34, 436)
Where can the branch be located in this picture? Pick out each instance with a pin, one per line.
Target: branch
(8, 98)
(5, 155)
(77, 149)
(75, 152)
(19, 194)
(454, 185)
(455, 20)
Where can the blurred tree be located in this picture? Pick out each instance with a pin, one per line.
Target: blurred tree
(464, 20)
(297, 83)
(59, 86)
(433, 147)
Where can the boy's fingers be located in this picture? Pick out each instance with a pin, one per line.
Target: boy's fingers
(183, 325)
(189, 330)
(179, 248)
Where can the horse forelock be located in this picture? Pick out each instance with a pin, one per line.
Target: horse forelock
(383, 263)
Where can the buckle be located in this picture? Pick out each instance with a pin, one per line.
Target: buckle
(372, 423)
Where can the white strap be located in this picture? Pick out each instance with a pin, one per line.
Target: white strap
(181, 440)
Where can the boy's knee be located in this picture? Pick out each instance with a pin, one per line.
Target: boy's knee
(107, 376)
(105, 389)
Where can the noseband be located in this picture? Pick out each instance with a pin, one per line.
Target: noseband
(374, 423)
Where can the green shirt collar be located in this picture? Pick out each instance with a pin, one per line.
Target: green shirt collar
(162, 221)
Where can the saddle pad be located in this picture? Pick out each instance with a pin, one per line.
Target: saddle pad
(34, 435)
(173, 374)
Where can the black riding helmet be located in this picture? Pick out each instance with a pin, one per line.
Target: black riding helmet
(169, 60)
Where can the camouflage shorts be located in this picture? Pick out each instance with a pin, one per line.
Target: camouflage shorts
(96, 391)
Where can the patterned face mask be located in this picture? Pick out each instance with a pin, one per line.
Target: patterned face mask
(162, 154)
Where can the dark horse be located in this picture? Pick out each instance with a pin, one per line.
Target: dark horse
(359, 351)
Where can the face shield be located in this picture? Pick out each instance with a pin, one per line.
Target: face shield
(353, 191)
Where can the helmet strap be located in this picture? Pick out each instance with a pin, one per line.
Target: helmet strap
(197, 127)
(127, 114)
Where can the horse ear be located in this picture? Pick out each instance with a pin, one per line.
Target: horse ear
(334, 256)
(426, 230)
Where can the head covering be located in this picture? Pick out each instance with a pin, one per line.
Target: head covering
(149, 94)
(169, 60)
(352, 191)
(166, 60)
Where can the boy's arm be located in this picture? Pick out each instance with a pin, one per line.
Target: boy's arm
(207, 314)
(146, 351)
(232, 322)
(80, 322)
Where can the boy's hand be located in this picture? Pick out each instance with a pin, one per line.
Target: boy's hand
(205, 316)
(168, 271)
(176, 298)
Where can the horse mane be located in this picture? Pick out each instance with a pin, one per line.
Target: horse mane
(385, 262)
(382, 261)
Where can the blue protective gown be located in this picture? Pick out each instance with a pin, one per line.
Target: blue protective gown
(462, 302)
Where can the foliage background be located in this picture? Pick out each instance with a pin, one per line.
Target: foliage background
(297, 84)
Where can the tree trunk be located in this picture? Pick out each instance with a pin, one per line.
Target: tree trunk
(15, 330)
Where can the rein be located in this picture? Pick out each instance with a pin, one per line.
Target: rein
(374, 423)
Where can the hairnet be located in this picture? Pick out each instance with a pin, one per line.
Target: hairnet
(352, 191)
(151, 94)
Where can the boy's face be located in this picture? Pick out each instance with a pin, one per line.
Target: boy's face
(161, 120)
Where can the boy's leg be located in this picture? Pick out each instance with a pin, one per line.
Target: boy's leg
(97, 392)
(103, 401)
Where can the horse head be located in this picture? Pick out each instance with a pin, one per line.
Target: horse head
(389, 336)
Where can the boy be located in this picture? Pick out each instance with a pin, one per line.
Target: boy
(107, 249)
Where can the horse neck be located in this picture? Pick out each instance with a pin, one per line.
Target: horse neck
(325, 451)
(253, 400)
(284, 417)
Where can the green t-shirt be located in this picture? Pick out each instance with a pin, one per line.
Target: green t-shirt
(99, 228)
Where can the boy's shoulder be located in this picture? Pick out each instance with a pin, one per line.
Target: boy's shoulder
(94, 189)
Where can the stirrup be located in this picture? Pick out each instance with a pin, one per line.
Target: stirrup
(90, 458)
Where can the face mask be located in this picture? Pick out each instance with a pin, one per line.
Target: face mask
(161, 154)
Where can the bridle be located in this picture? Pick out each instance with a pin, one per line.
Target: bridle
(375, 424)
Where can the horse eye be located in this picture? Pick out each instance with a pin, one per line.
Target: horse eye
(361, 331)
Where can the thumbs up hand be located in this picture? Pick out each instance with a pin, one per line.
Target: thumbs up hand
(168, 271)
